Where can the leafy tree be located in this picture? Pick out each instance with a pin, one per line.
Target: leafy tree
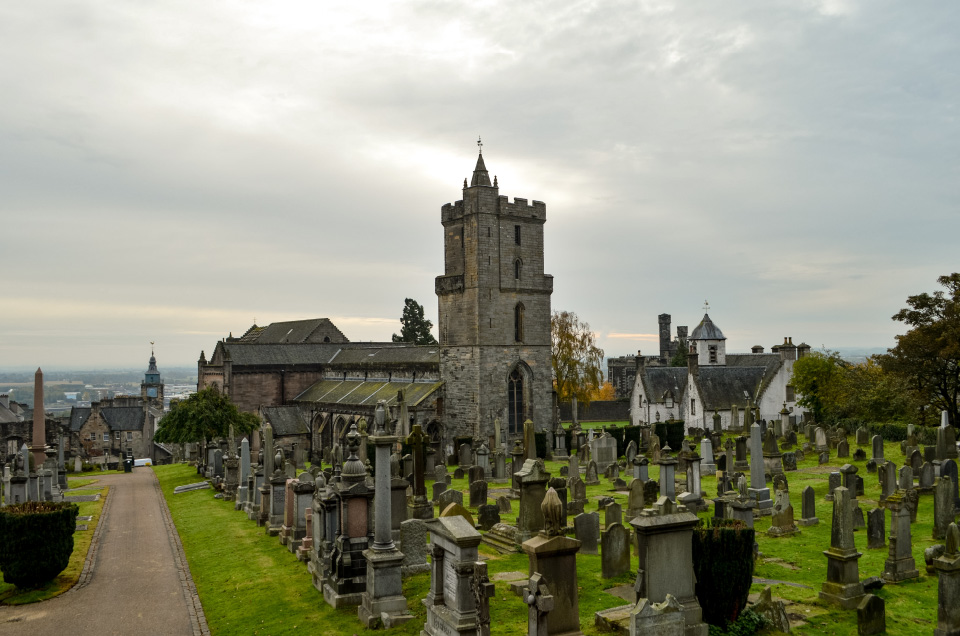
(604, 393)
(816, 379)
(204, 415)
(577, 360)
(413, 326)
(928, 355)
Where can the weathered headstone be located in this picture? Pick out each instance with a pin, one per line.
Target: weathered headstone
(944, 510)
(789, 462)
(782, 524)
(612, 513)
(533, 480)
(871, 616)
(586, 528)
(877, 444)
(808, 507)
(448, 497)
(413, 540)
(614, 551)
(947, 567)
(478, 493)
(876, 529)
(451, 607)
(488, 515)
(900, 565)
(657, 619)
(842, 586)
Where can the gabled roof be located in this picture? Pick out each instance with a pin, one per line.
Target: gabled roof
(78, 417)
(285, 420)
(345, 354)
(367, 393)
(316, 330)
(382, 356)
(7, 416)
(658, 380)
(721, 387)
(123, 418)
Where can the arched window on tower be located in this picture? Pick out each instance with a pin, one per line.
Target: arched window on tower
(518, 322)
(517, 265)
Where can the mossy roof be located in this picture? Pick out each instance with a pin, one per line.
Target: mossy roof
(285, 420)
(366, 392)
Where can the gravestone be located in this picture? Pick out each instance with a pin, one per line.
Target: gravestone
(871, 616)
(842, 586)
(843, 449)
(604, 449)
(533, 480)
(465, 456)
(707, 465)
(476, 473)
(488, 515)
(586, 528)
(789, 462)
(448, 497)
(944, 510)
(592, 477)
(478, 494)
(947, 567)
(665, 553)
(657, 619)
(859, 455)
(439, 487)
(413, 540)
(808, 507)
(758, 486)
(782, 523)
(451, 606)
(863, 436)
(876, 529)
(635, 500)
(926, 477)
(916, 461)
(741, 462)
(900, 565)
(821, 437)
(949, 469)
(614, 551)
(612, 513)
(553, 556)
(877, 445)
(503, 505)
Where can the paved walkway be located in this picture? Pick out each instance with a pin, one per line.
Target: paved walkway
(135, 581)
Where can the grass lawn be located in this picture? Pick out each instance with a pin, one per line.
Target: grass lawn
(10, 595)
(250, 584)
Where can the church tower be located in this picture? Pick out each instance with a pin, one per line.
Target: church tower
(151, 389)
(494, 313)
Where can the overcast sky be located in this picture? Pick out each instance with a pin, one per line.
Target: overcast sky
(170, 171)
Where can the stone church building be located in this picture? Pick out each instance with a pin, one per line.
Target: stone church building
(492, 361)
(715, 381)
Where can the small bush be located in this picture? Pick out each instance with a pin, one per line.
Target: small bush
(747, 624)
(723, 564)
(36, 540)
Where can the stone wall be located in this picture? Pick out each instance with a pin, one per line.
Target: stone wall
(598, 411)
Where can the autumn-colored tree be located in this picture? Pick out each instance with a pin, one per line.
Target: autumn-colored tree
(603, 393)
(577, 360)
(928, 355)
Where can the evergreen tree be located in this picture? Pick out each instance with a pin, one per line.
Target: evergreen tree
(414, 327)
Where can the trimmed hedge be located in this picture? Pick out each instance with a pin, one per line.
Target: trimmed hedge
(723, 564)
(670, 431)
(36, 540)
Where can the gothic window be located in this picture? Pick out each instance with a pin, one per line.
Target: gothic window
(515, 401)
(517, 264)
(693, 407)
(713, 353)
(518, 322)
(516, 234)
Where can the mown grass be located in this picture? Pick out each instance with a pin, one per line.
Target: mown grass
(250, 584)
(10, 595)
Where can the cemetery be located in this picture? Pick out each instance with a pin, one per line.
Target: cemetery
(858, 541)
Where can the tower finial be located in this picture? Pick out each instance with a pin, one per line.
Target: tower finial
(706, 306)
(151, 347)
(479, 144)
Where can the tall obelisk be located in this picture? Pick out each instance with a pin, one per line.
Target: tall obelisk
(39, 423)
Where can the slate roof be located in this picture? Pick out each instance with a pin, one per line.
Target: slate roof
(366, 393)
(706, 330)
(78, 417)
(7, 416)
(285, 420)
(296, 332)
(123, 418)
(380, 356)
(352, 354)
(721, 387)
(658, 380)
